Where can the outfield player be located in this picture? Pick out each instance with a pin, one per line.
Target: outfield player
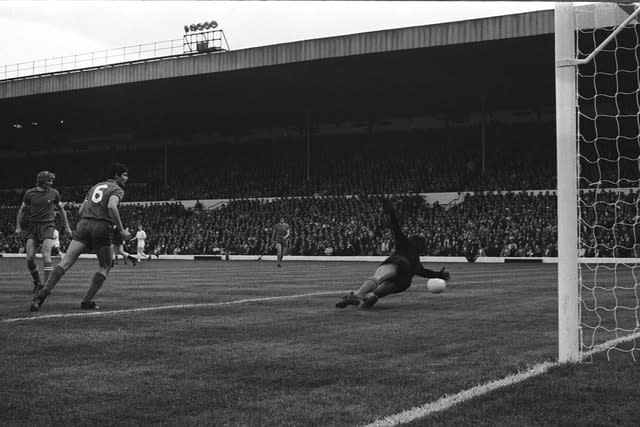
(41, 202)
(141, 237)
(56, 250)
(118, 248)
(98, 213)
(395, 273)
(280, 235)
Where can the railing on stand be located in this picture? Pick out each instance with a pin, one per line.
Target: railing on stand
(98, 58)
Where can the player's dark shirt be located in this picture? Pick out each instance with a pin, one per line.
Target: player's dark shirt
(407, 250)
(41, 202)
(98, 200)
(280, 230)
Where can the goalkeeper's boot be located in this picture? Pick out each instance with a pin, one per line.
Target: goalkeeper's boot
(369, 302)
(38, 300)
(89, 305)
(350, 299)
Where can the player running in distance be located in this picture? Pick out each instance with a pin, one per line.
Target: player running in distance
(141, 237)
(395, 273)
(98, 213)
(281, 233)
(118, 249)
(40, 203)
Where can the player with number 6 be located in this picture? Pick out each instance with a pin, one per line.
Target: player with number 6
(98, 214)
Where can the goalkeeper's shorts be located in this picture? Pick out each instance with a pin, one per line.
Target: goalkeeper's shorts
(402, 279)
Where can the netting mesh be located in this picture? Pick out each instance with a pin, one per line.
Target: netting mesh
(608, 90)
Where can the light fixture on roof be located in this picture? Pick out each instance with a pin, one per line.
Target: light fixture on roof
(200, 26)
(204, 37)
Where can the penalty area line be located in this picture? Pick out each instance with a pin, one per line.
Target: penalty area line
(166, 307)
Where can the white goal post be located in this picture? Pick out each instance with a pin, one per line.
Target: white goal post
(571, 303)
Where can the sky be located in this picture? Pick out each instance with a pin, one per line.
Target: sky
(35, 30)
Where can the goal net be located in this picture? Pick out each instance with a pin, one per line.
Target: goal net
(606, 70)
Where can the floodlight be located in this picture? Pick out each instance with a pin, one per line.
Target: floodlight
(192, 27)
(213, 24)
(186, 28)
(199, 26)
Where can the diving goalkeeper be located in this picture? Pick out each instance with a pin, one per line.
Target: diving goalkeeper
(395, 273)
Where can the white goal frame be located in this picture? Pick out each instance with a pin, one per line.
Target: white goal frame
(566, 68)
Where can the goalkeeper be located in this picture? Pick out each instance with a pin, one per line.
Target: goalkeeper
(395, 273)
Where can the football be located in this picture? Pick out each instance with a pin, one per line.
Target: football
(436, 286)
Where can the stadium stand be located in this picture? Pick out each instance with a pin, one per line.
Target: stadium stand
(438, 161)
(341, 225)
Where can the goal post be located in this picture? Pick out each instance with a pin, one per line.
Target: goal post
(567, 193)
(598, 178)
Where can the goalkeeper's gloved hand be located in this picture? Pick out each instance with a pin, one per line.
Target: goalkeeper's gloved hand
(444, 275)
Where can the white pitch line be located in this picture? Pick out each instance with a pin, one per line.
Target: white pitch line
(165, 307)
(448, 401)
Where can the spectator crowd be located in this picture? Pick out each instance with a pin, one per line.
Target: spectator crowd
(505, 224)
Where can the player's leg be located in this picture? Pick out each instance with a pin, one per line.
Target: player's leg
(31, 264)
(386, 287)
(104, 255)
(118, 250)
(70, 257)
(279, 253)
(126, 255)
(383, 273)
(144, 255)
(47, 245)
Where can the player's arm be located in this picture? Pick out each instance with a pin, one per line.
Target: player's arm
(19, 218)
(393, 221)
(65, 220)
(115, 216)
(430, 274)
(82, 208)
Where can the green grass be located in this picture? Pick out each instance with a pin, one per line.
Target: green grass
(292, 362)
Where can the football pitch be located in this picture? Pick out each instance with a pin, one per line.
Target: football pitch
(243, 343)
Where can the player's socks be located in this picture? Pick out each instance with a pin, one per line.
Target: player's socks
(47, 270)
(33, 270)
(96, 283)
(367, 286)
(54, 278)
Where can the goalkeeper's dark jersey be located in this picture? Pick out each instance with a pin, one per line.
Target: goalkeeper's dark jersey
(406, 249)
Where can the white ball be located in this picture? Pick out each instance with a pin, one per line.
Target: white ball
(436, 286)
